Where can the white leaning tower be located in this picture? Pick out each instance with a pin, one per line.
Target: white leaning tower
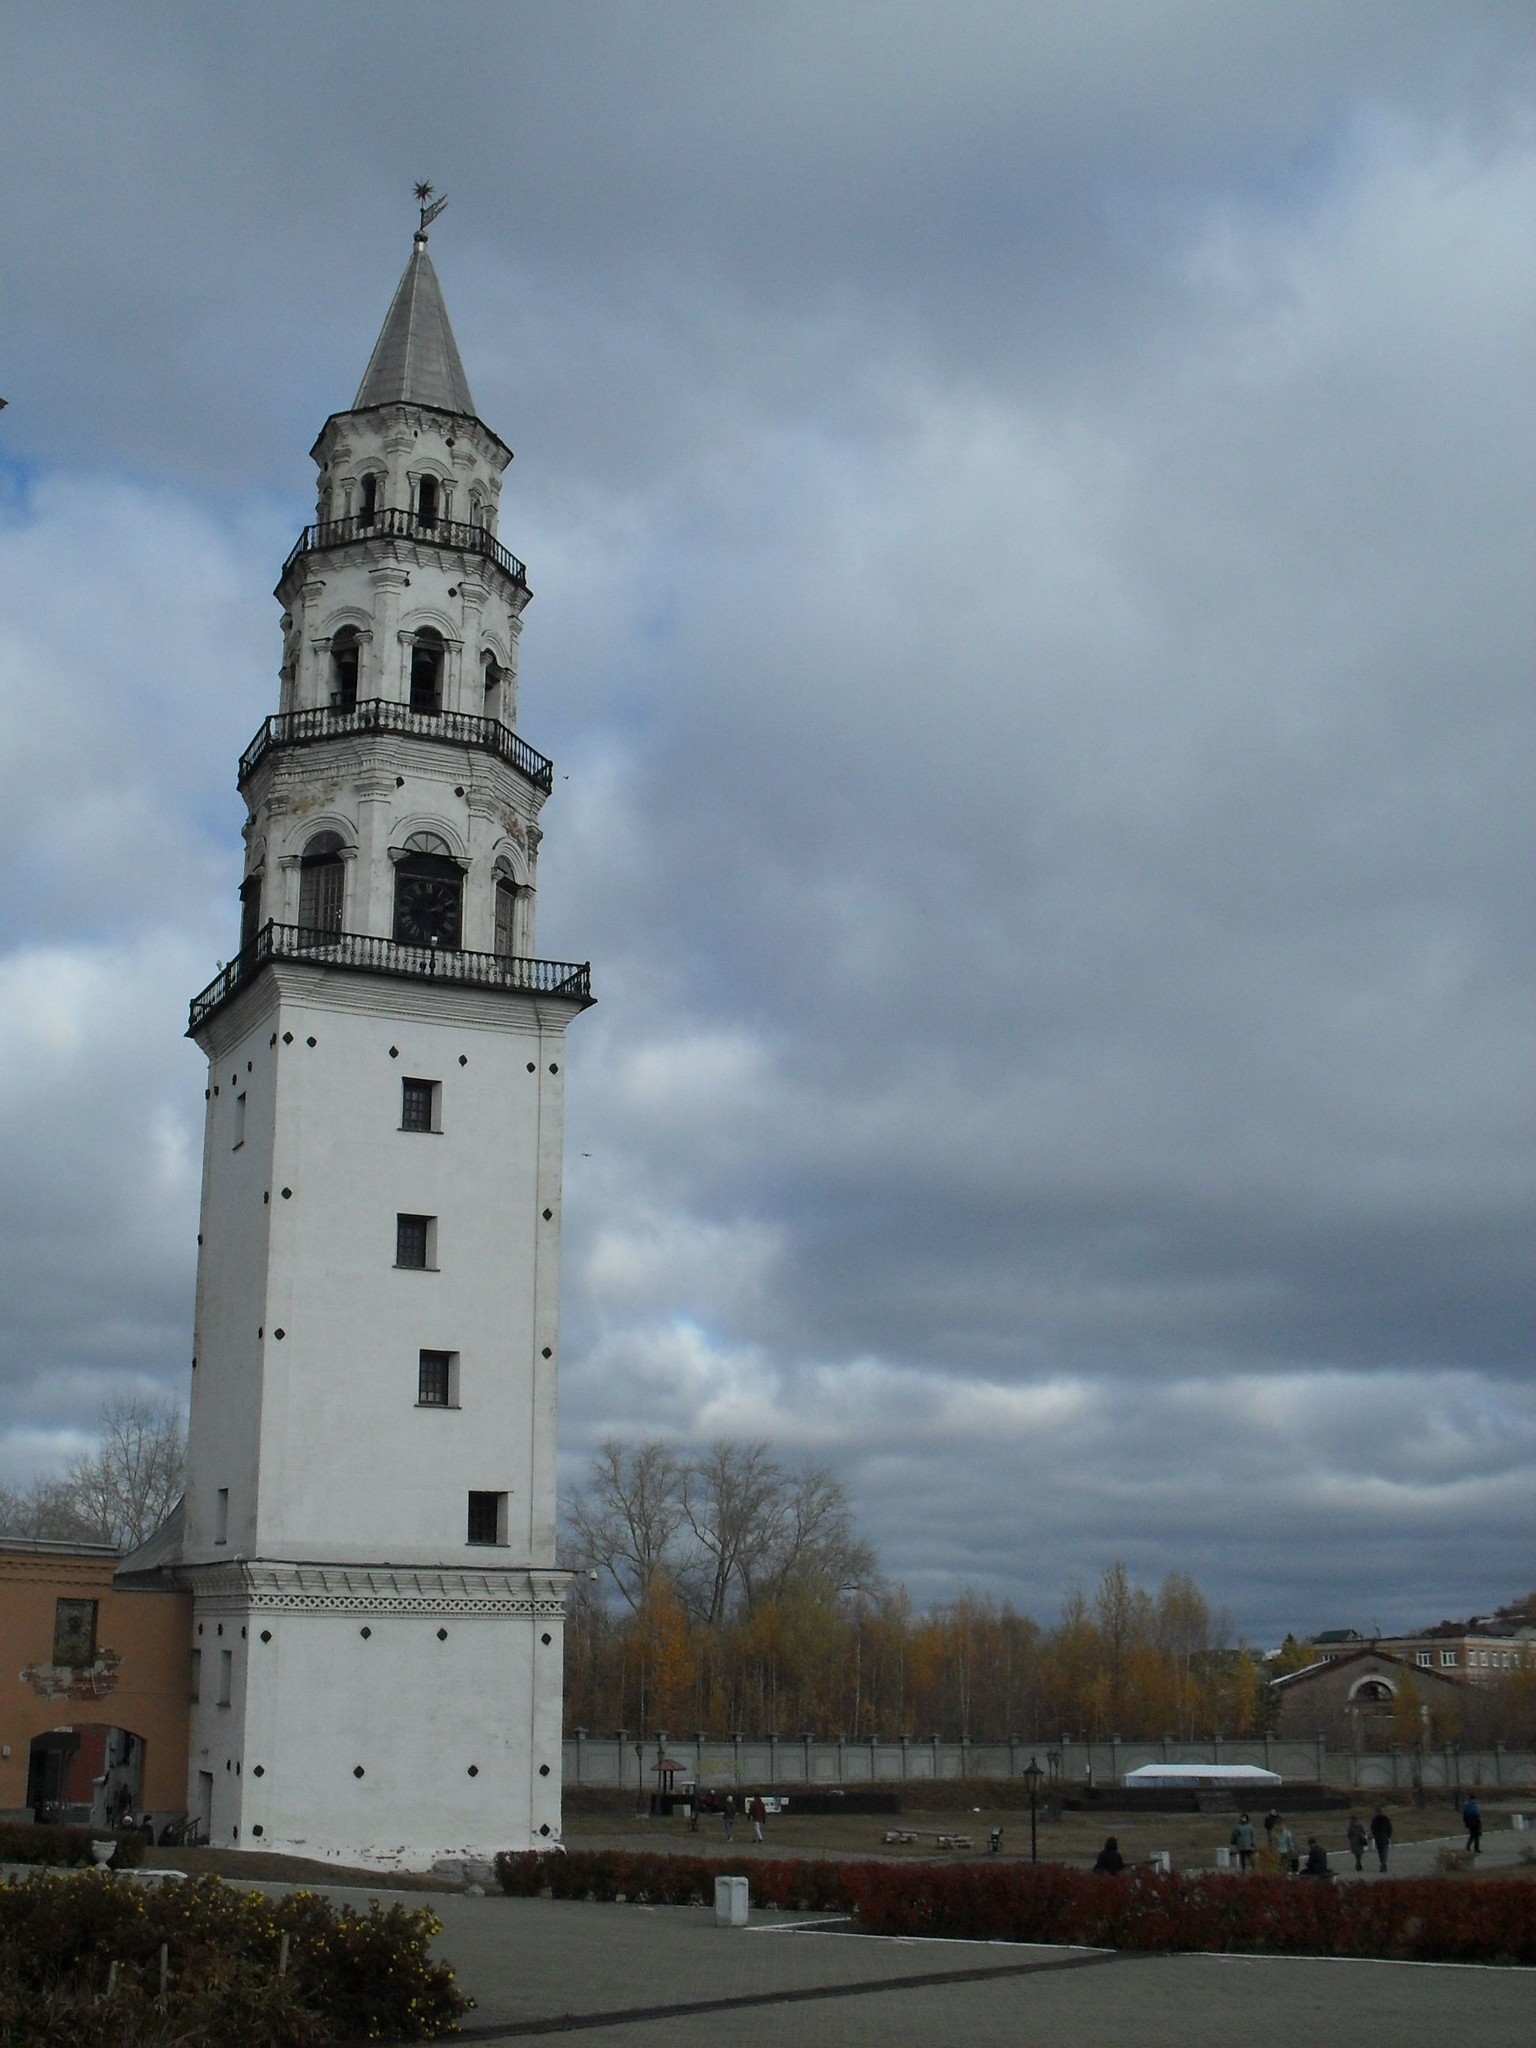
(369, 1529)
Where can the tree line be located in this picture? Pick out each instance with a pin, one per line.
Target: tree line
(729, 1592)
(119, 1493)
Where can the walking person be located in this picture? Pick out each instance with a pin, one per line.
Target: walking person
(1472, 1821)
(757, 1813)
(1284, 1843)
(1357, 1838)
(729, 1811)
(1381, 1835)
(1244, 1841)
(1271, 1822)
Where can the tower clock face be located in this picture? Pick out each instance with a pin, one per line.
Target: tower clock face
(426, 910)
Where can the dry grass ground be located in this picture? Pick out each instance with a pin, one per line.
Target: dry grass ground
(1192, 1838)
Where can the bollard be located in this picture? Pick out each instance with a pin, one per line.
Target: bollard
(1223, 1859)
(731, 1902)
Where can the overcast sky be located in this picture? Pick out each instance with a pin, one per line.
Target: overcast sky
(1030, 512)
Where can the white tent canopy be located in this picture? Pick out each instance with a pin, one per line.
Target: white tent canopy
(1204, 1777)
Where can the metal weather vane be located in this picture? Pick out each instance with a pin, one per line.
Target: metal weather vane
(430, 207)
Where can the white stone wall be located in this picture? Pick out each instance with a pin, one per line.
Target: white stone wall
(435, 1687)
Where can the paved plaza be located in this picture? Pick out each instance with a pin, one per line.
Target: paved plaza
(540, 1969)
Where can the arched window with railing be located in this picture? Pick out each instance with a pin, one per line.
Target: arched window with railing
(493, 675)
(322, 884)
(368, 499)
(507, 894)
(428, 652)
(427, 495)
(429, 894)
(346, 655)
(250, 911)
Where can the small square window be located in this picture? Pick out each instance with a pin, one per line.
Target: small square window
(1424, 1659)
(418, 1105)
(239, 1122)
(437, 1379)
(487, 1518)
(1448, 1657)
(74, 1633)
(415, 1241)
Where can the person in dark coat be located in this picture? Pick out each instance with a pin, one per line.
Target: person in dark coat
(1472, 1821)
(1357, 1838)
(1271, 1822)
(1316, 1864)
(1109, 1860)
(1381, 1835)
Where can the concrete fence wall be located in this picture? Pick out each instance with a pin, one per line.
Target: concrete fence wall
(737, 1760)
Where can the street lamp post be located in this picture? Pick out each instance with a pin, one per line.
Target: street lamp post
(1032, 1774)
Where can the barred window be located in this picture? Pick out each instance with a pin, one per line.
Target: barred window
(413, 1241)
(418, 1105)
(434, 1379)
(74, 1632)
(487, 1518)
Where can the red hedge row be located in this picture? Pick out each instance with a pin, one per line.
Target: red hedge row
(1422, 1919)
(803, 1886)
(1425, 1919)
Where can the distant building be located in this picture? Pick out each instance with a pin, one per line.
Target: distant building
(1479, 1652)
(93, 1690)
(1352, 1697)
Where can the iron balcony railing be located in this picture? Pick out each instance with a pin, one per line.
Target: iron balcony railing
(391, 523)
(382, 714)
(359, 953)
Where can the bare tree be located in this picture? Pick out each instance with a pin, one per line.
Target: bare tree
(626, 1521)
(125, 1489)
(811, 1544)
(736, 1504)
(47, 1509)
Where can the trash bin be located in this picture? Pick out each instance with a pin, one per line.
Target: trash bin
(730, 1902)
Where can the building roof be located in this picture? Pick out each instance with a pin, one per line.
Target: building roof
(416, 358)
(1338, 1635)
(1368, 1653)
(151, 1568)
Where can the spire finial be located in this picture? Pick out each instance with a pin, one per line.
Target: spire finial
(430, 207)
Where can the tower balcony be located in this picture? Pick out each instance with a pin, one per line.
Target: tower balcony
(383, 714)
(390, 522)
(360, 953)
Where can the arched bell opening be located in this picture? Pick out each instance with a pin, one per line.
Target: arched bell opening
(250, 911)
(346, 657)
(322, 886)
(428, 654)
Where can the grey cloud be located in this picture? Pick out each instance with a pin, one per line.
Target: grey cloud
(1024, 505)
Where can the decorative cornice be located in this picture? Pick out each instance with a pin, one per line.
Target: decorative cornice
(270, 1586)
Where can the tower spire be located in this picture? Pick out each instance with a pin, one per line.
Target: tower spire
(416, 358)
